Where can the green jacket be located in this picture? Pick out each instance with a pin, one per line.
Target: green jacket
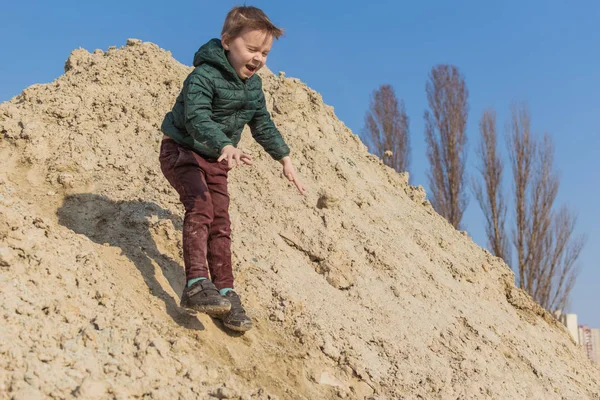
(215, 105)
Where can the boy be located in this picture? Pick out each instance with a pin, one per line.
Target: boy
(219, 97)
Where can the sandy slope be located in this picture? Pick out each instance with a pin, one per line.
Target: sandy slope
(358, 290)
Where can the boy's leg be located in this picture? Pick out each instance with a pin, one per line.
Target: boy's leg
(219, 236)
(219, 250)
(182, 169)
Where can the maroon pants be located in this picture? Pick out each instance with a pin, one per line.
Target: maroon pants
(202, 187)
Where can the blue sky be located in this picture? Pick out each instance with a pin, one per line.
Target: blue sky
(542, 52)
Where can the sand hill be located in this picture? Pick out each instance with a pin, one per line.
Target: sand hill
(358, 290)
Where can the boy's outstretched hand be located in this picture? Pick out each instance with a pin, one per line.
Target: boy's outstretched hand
(290, 173)
(234, 156)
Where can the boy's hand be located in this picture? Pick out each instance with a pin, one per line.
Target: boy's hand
(290, 173)
(234, 157)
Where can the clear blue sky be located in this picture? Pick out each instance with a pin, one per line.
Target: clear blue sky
(543, 52)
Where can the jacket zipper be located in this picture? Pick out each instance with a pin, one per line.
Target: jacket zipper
(243, 104)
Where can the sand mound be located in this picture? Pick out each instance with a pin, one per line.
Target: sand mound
(358, 290)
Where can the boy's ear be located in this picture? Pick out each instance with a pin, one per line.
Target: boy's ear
(225, 41)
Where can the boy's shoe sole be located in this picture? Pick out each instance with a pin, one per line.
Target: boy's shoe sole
(213, 310)
(243, 327)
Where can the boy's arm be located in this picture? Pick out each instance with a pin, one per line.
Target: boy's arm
(265, 133)
(198, 94)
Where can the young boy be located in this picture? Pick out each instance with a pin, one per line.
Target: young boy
(219, 97)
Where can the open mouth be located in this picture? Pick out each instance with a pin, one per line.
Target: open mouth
(251, 68)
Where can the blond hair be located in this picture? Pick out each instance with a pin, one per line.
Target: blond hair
(242, 17)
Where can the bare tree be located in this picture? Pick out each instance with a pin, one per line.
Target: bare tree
(544, 240)
(558, 270)
(542, 194)
(386, 128)
(521, 149)
(445, 127)
(489, 195)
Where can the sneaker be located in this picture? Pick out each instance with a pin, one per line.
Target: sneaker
(236, 319)
(203, 296)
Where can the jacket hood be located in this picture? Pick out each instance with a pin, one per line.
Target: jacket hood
(213, 53)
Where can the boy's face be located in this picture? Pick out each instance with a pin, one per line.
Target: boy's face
(247, 53)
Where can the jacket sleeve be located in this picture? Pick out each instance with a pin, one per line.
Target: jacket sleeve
(265, 133)
(197, 96)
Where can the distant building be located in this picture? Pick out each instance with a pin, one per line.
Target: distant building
(586, 337)
(596, 344)
(589, 339)
(570, 321)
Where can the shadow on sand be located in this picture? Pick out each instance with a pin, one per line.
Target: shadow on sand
(126, 224)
